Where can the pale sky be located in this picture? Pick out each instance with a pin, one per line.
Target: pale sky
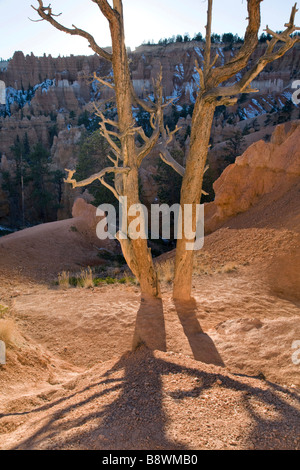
(144, 20)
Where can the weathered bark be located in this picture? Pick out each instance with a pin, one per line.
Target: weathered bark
(191, 192)
(138, 256)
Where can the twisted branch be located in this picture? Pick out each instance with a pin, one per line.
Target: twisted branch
(103, 82)
(149, 144)
(207, 51)
(167, 158)
(156, 122)
(94, 177)
(111, 188)
(106, 9)
(243, 86)
(240, 61)
(46, 15)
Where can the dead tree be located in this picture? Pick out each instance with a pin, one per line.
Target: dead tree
(211, 94)
(126, 154)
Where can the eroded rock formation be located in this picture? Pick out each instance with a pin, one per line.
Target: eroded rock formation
(46, 97)
(264, 168)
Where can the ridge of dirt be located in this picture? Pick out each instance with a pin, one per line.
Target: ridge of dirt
(156, 400)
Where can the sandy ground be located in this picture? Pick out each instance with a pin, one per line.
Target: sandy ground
(220, 374)
(155, 401)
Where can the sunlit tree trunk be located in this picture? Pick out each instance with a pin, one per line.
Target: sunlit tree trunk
(191, 192)
(211, 94)
(136, 252)
(127, 156)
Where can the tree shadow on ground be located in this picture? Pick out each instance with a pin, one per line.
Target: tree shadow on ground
(130, 406)
(202, 346)
(135, 419)
(126, 409)
(150, 325)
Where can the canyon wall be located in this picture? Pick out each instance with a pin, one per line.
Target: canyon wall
(47, 100)
(265, 168)
(61, 89)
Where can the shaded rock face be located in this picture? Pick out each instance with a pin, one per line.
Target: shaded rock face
(36, 128)
(264, 168)
(65, 148)
(61, 95)
(25, 71)
(284, 276)
(64, 153)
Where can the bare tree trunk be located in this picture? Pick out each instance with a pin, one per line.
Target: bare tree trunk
(191, 192)
(210, 96)
(136, 252)
(138, 256)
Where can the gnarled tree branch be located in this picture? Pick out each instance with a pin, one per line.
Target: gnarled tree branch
(207, 51)
(103, 82)
(231, 68)
(156, 122)
(169, 160)
(106, 9)
(111, 188)
(270, 55)
(94, 177)
(149, 145)
(46, 14)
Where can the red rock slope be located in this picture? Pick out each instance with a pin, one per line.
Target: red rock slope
(266, 174)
